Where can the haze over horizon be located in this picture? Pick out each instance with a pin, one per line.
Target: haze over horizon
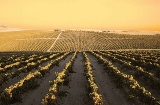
(81, 14)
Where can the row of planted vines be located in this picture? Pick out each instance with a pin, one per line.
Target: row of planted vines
(34, 40)
(133, 74)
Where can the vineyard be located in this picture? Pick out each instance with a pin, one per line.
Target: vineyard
(57, 41)
(79, 68)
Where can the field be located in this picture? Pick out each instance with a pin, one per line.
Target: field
(57, 41)
(79, 68)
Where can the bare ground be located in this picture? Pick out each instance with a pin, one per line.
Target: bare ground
(77, 93)
(16, 79)
(34, 97)
(142, 82)
(76, 90)
(110, 93)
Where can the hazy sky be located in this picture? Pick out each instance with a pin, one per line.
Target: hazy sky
(90, 14)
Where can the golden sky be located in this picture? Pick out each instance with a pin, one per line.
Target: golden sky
(81, 14)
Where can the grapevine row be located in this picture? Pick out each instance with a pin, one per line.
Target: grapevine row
(13, 93)
(96, 96)
(150, 66)
(51, 97)
(29, 65)
(129, 82)
(140, 72)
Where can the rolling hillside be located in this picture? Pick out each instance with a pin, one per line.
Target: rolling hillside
(57, 41)
(48, 67)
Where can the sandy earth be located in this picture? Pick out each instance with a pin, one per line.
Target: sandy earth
(128, 32)
(77, 94)
(7, 29)
(135, 32)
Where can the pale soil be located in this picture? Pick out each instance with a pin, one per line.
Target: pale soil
(135, 32)
(110, 93)
(54, 42)
(77, 93)
(34, 97)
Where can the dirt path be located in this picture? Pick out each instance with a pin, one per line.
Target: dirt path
(77, 94)
(111, 94)
(54, 42)
(34, 97)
